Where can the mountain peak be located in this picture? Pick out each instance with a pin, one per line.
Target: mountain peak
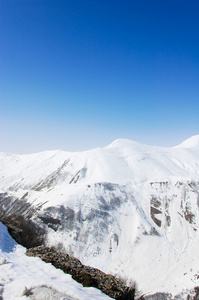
(125, 143)
(190, 142)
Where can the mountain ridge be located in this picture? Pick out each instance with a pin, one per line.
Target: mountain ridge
(191, 140)
(130, 157)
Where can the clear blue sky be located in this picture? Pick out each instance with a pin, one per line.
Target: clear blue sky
(78, 74)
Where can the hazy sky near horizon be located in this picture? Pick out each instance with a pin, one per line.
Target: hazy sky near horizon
(78, 74)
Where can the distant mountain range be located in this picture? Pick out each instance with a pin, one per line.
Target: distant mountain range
(128, 209)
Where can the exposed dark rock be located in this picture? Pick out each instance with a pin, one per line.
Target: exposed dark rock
(24, 231)
(85, 275)
(156, 296)
(80, 174)
(10, 205)
(196, 296)
(51, 180)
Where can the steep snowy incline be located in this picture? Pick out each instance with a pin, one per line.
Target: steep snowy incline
(19, 273)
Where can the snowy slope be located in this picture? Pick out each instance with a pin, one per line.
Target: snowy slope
(20, 273)
(129, 209)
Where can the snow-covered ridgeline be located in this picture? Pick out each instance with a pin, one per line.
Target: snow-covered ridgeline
(121, 162)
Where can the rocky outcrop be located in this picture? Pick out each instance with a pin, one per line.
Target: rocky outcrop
(87, 276)
(188, 295)
(24, 231)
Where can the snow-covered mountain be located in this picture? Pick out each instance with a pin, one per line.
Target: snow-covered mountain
(128, 209)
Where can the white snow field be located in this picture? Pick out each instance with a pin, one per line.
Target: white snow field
(20, 273)
(128, 209)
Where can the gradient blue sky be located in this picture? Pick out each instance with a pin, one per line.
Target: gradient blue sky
(78, 74)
